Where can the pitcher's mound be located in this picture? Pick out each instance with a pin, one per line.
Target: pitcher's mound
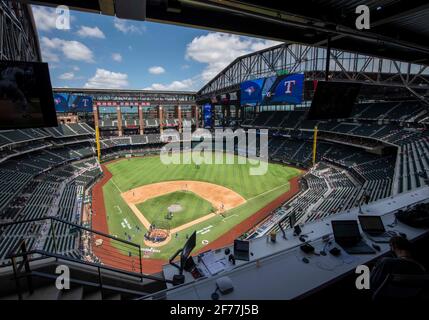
(175, 208)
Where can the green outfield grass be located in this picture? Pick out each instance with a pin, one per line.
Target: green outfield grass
(193, 207)
(131, 173)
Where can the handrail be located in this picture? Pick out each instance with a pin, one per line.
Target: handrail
(87, 283)
(21, 247)
(22, 252)
(58, 256)
(6, 224)
(81, 228)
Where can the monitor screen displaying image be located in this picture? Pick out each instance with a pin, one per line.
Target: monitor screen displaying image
(26, 99)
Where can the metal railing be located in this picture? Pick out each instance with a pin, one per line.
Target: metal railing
(20, 258)
(57, 236)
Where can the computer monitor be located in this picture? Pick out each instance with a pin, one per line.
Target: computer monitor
(187, 249)
(292, 219)
(185, 253)
(26, 98)
(371, 224)
(241, 250)
(345, 230)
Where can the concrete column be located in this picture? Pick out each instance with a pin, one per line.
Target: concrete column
(95, 113)
(119, 116)
(141, 120)
(197, 116)
(161, 118)
(179, 116)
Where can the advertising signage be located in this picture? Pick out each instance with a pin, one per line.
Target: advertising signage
(284, 89)
(288, 89)
(207, 113)
(251, 92)
(72, 103)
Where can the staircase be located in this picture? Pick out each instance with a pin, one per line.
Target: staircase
(86, 282)
(77, 293)
(36, 274)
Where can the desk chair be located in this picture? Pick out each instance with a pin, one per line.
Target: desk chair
(403, 286)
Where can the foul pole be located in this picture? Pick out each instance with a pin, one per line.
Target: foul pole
(314, 145)
(97, 142)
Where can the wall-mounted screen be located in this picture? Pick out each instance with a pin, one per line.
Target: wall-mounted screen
(26, 99)
(284, 89)
(287, 89)
(267, 87)
(72, 103)
(333, 100)
(251, 92)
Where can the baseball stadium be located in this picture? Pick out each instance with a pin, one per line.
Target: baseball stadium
(338, 118)
(218, 201)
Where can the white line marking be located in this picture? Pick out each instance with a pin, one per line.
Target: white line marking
(116, 185)
(261, 194)
(224, 219)
(119, 209)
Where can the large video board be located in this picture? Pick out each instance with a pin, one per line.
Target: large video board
(276, 89)
(251, 92)
(72, 103)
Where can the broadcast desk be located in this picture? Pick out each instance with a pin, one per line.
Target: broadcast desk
(277, 271)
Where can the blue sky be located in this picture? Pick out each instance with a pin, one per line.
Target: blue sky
(106, 52)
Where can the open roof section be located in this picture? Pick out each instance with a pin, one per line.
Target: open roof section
(399, 28)
(311, 60)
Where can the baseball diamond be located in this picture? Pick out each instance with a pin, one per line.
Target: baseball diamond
(214, 198)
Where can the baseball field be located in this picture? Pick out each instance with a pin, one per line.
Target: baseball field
(144, 193)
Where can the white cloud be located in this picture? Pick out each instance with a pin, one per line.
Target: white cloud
(89, 32)
(117, 57)
(76, 68)
(127, 27)
(185, 66)
(107, 79)
(217, 50)
(183, 85)
(66, 76)
(73, 50)
(156, 70)
(49, 56)
(45, 18)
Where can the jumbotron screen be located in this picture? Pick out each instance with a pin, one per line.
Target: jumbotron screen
(284, 89)
(25, 95)
(72, 103)
(333, 100)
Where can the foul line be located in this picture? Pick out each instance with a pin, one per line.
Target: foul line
(261, 194)
(140, 216)
(233, 215)
(116, 185)
(255, 197)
